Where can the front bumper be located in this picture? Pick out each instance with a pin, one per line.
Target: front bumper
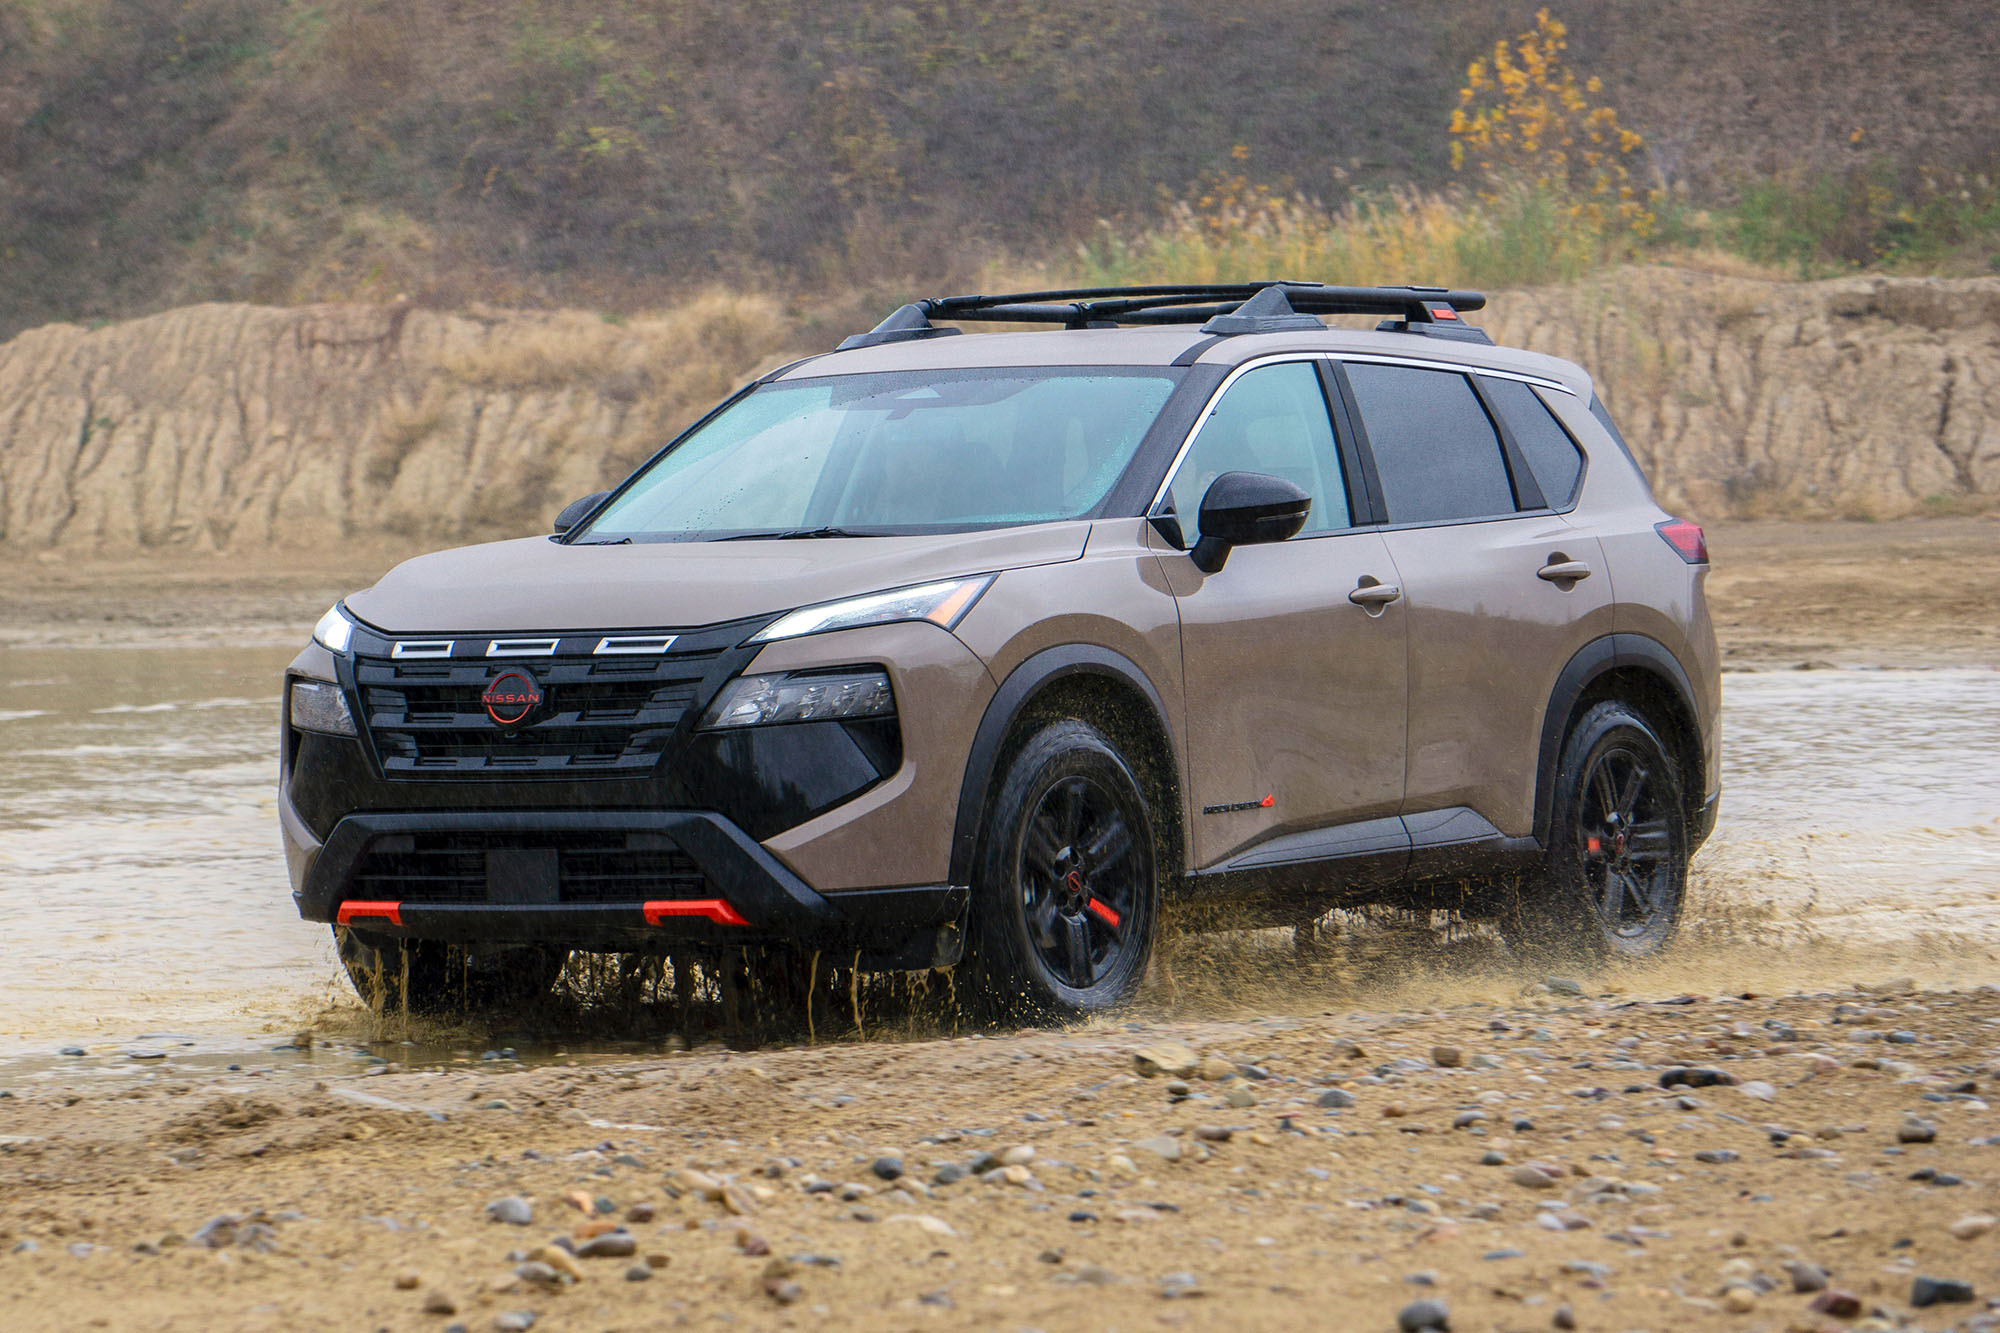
(619, 881)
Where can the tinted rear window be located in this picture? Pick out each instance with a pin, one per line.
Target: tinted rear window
(1435, 450)
(1551, 455)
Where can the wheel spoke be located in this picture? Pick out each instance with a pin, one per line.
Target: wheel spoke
(1628, 798)
(1069, 818)
(1612, 906)
(1041, 846)
(1650, 841)
(1112, 843)
(1600, 783)
(1076, 949)
(1042, 919)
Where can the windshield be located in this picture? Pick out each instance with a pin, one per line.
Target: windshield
(871, 455)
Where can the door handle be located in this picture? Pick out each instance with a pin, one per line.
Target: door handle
(1375, 594)
(1563, 571)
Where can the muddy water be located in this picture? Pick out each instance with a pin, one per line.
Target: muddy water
(144, 905)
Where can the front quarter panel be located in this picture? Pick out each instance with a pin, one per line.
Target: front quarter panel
(898, 833)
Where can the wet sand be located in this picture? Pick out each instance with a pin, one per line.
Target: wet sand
(149, 928)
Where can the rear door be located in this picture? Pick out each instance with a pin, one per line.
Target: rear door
(1295, 693)
(1501, 589)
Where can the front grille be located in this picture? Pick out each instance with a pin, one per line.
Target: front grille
(574, 867)
(603, 716)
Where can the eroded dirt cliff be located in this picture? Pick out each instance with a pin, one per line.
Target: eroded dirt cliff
(244, 427)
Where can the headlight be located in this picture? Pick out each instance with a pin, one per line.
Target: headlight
(319, 706)
(761, 701)
(944, 603)
(334, 631)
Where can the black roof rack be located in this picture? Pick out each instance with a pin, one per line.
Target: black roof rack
(1226, 308)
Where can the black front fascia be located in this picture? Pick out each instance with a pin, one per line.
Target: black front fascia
(762, 779)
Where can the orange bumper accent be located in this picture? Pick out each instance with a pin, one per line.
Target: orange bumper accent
(392, 912)
(715, 909)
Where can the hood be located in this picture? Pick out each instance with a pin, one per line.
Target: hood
(531, 584)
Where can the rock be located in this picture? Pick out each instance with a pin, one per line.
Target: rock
(1467, 1119)
(1214, 1133)
(1162, 1145)
(750, 1243)
(1717, 1156)
(935, 1226)
(1425, 1314)
(1840, 1304)
(1170, 1059)
(1759, 1090)
(409, 1280)
(1216, 1071)
(1177, 1089)
(217, 1232)
(1346, 1049)
(1532, 1177)
(439, 1303)
(1017, 1175)
(1121, 1164)
(539, 1273)
(1916, 1129)
(1563, 986)
(1682, 1077)
(513, 1210)
(1493, 1158)
(611, 1245)
(1178, 1286)
(1927, 1291)
(1508, 1252)
(1336, 1099)
(887, 1168)
(641, 1212)
(1564, 1317)
(1973, 1226)
(558, 1257)
(1242, 1098)
(1019, 1155)
(639, 1272)
(1082, 1215)
(1806, 1277)
(1739, 1300)
(948, 1174)
(1446, 1057)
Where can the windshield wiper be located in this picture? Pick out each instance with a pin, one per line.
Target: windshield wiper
(794, 534)
(614, 541)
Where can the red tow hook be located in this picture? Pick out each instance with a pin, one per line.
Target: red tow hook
(391, 912)
(715, 909)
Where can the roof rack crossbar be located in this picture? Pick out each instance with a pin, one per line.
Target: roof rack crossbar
(1223, 308)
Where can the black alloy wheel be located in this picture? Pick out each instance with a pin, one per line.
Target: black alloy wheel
(1614, 878)
(1068, 891)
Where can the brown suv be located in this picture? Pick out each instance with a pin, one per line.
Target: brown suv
(941, 648)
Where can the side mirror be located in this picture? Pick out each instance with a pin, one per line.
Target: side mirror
(1246, 509)
(575, 512)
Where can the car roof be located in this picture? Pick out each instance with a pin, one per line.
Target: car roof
(1175, 344)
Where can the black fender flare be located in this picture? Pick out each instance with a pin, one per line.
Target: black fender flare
(1591, 661)
(1022, 683)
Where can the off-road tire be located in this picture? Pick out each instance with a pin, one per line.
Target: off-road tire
(431, 976)
(1613, 878)
(1066, 883)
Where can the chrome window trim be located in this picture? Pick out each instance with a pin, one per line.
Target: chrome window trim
(633, 644)
(1279, 358)
(407, 649)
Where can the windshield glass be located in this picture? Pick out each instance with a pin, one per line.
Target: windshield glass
(896, 453)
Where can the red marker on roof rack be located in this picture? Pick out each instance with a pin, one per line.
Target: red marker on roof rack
(1443, 312)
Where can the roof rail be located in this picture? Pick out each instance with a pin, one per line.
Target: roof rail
(1225, 308)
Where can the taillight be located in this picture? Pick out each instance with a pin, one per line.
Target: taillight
(1685, 538)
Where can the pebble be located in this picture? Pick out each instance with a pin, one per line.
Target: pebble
(1926, 1291)
(513, 1210)
(1973, 1226)
(1019, 1155)
(1806, 1277)
(408, 1280)
(1336, 1099)
(1161, 1146)
(610, 1245)
(1916, 1129)
(949, 1174)
(1840, 1304)
(1467, 1119)
(1717, 1156)
(1177, 1286)
(1446, 1057)
(439, 1303)
(1759, 1090)
(1493, 1158)
(539, 1273)
(1169, 1058)
(1508, 1253)
(887, 1168)
(1682, 1077)
(1564, 1317)
(1564, 986)
(1420, 1315)
(1739, 1300)
(514, 1321)
(1532, 1177)
(639, 1273)
(1178, 1089)
(1242, 1098)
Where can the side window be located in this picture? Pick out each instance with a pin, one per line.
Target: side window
(1435, 449)
(1551, 455)
(1271, 420)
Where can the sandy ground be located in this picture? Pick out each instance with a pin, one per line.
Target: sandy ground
(1243, 1199)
